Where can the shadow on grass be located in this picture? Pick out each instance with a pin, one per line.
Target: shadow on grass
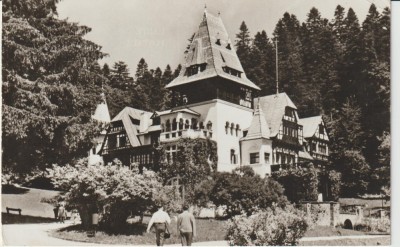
(128, 229)
(11, 189)
(23, 219)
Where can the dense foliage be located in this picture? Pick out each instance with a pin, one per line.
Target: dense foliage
(113, 190)
(301, 184)
(242, 192)
(49, 86)
(274, 226)
(194, 162)
(338, 68)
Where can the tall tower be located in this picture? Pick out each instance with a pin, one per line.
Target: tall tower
(212, 96)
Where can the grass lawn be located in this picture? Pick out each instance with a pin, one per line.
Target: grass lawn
(28, 200)
(347, 242)
(327, 231)
(23, 219)
(208, 230)
(135, 233)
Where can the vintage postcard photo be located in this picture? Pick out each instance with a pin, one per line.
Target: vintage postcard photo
(196, 122)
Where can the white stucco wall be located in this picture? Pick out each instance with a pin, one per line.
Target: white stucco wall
(219, 112)
(260, 146)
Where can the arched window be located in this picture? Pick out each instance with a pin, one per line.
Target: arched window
(209, 125)
(168, 126)
(187, 124)
(237, 129)
(233, 157)
(232, 127)
(181, 124)
(226, 127)
(174, 124)
(162, 127)
(201, 125)
(194, 124)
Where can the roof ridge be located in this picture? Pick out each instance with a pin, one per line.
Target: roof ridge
(209, 39)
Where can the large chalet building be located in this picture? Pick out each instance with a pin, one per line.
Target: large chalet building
(214, 99)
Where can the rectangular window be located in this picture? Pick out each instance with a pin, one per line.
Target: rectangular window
(254, 158)
(266, 158)
(321, 129)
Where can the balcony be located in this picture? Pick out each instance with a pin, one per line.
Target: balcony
(186, 133)
(319, 156)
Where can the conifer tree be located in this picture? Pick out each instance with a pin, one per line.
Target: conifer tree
(291, 74)
(50, 87)
(243, 46)
(262, 71)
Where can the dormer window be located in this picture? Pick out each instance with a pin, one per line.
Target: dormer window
(218, 42)
(289, 114)
(231, 71)
(229, 46)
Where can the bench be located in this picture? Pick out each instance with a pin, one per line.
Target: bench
(14, 209)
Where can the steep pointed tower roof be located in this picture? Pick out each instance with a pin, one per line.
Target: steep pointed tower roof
(258, 127)
(211, 54)
(101, 113)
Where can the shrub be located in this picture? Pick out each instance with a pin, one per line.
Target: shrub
(112, 190)
(334, 184)
(301, 184)
(274, 226)
(245, 193)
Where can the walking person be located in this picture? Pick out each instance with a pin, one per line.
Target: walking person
(186, 226)
(160, 220)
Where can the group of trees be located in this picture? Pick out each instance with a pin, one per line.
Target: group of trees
(338, 68)
(146, 90)
(51, 84)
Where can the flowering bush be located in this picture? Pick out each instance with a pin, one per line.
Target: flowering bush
(274, 226)
(112, 190)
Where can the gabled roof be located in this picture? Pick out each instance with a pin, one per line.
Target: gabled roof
(131, 129)
(273, 107)
(310, 125)
(258, 127)
(210, 48)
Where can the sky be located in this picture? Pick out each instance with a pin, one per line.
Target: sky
(158, 30)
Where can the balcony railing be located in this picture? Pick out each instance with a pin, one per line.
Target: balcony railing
(107, 150)
(186, 133)
(319, 156)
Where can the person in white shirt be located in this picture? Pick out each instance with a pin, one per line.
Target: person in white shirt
(160, 220)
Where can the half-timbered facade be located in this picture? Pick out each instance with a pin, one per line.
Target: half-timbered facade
(316, 139)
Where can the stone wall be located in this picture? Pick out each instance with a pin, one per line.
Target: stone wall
(322, 213)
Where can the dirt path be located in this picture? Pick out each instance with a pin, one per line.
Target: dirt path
(34, 234)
